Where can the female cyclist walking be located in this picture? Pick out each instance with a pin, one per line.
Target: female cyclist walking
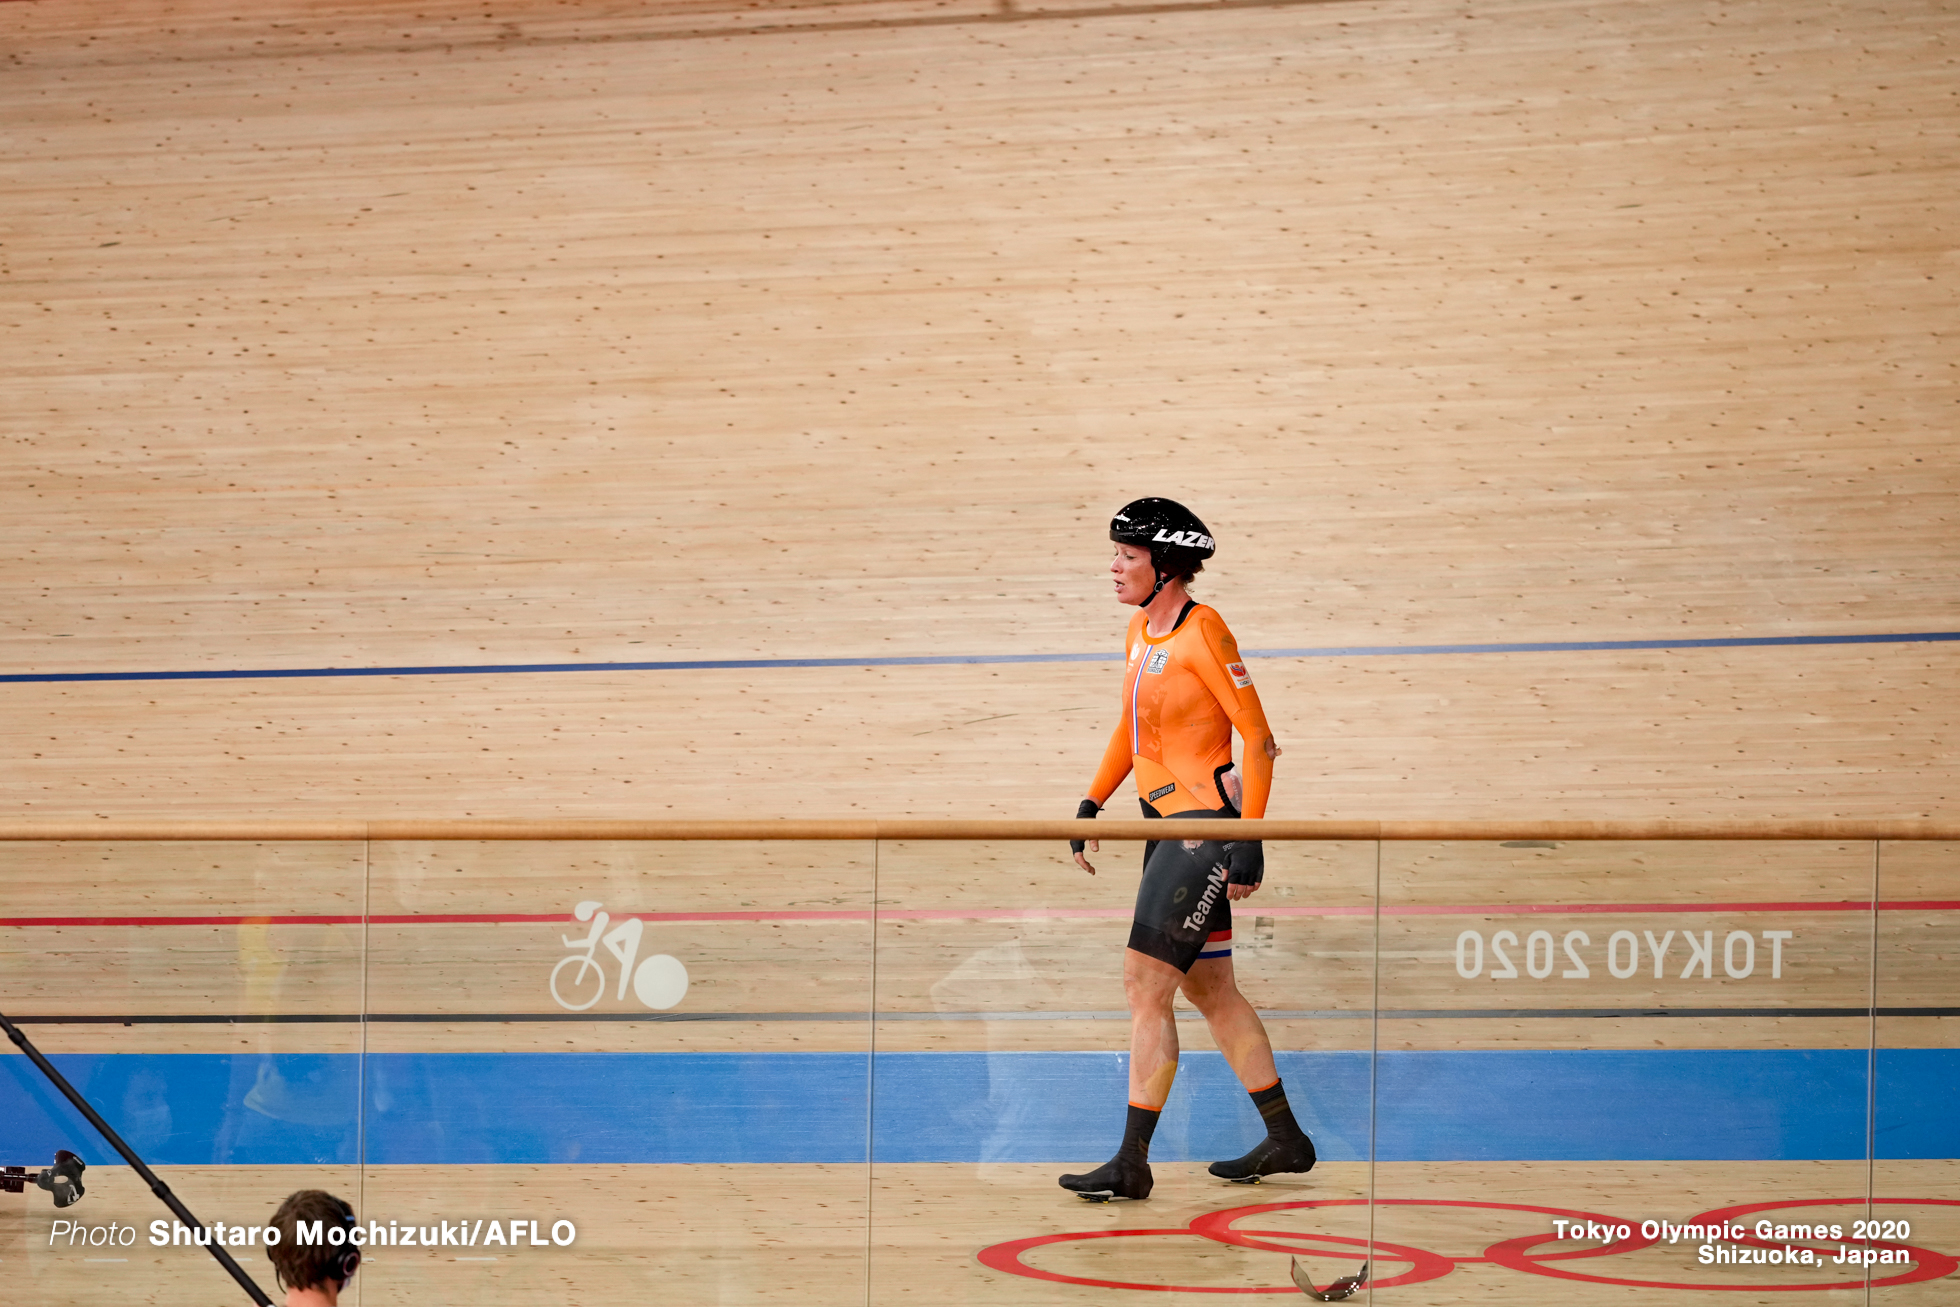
(1185, 689)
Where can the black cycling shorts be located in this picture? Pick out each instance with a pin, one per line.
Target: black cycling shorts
(1182, 912)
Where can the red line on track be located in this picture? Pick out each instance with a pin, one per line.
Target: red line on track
(993, 914)
(1501, 909)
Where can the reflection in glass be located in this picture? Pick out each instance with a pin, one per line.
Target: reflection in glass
(1613, 1033)
(683, 1064)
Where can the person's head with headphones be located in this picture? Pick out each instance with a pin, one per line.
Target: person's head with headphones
(313, 1273)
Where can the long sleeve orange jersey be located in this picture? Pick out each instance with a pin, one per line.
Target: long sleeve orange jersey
(1182, 695)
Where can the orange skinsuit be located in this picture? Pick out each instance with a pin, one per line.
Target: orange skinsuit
(1182, 695)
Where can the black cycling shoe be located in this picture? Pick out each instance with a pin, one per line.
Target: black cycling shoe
(1269, 1156)
(1120, 1177)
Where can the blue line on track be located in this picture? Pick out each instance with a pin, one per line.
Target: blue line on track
(188, 1109)
(954, 660)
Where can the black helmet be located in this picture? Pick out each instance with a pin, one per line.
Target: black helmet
(1178, 542)
(1161, 525)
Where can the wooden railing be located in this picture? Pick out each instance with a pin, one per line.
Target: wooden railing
(976, 830)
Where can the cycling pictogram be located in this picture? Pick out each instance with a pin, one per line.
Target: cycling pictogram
(659, 981)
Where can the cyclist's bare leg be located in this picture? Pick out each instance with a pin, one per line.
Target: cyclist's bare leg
(1236, 1028)
(1150, 985)
(1241, 1037)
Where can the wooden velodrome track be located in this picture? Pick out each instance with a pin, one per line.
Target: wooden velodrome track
(1534, 363)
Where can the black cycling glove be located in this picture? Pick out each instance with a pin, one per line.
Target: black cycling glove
(1083, 811)
(1245, 860)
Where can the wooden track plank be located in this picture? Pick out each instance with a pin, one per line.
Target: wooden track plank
(432, 334)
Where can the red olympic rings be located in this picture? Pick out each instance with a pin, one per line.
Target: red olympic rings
(1217, 1227)
(1515, 1253)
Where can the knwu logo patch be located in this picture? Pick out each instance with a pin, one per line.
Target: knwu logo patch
(1158, 659)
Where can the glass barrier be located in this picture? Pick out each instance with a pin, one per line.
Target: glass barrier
(1915, 1132)
(1626, 1038)
(852, 1071)
(665, 1046)
(1002, 1042)
(206, 999)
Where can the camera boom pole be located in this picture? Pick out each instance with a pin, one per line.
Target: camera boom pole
(157, 1187)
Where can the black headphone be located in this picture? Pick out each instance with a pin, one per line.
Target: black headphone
(342, 1267)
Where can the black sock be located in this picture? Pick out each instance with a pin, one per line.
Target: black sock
(1137, 1129)
(1271, 1102)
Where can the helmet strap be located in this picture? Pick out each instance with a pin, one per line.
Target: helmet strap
(1163, 579)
